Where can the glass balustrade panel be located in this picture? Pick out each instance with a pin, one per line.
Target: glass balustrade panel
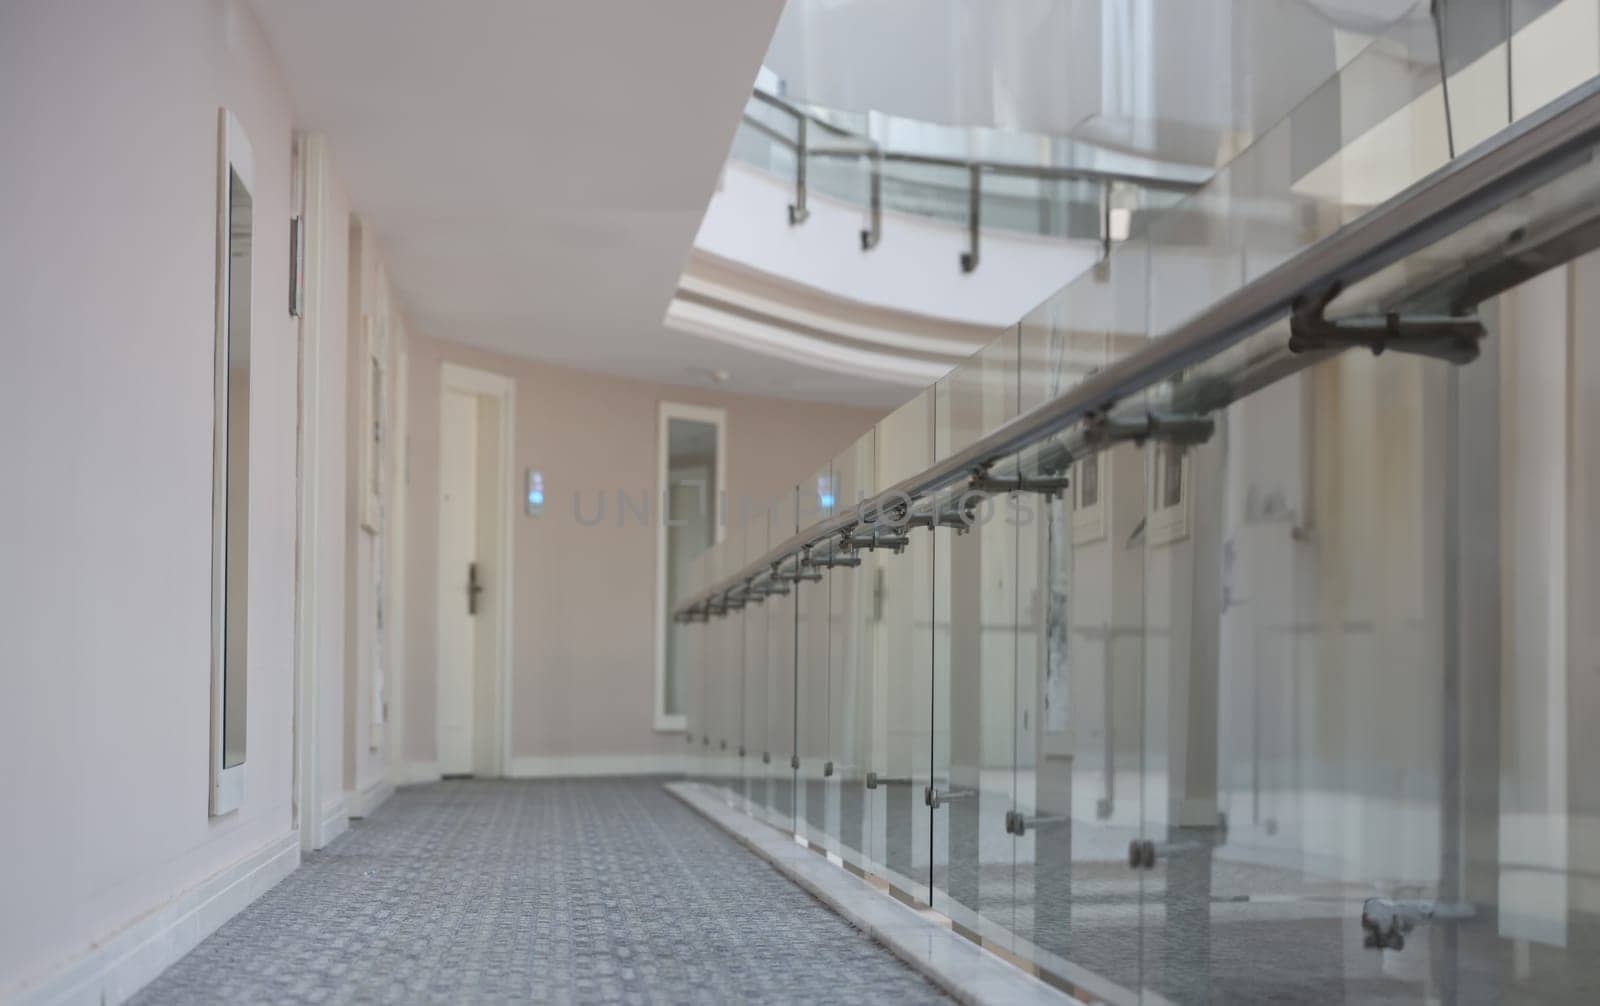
(1360, 707)
(852, 672)
(1473, 37)
(691, 642)
(1554, 47)
(781, 650)
(713, 636)
(974, 656)
(755, 673)
(816, 818)
(1293, 680)
(1358, 139)
(1078, 665)
(730, 671)
(903, 694)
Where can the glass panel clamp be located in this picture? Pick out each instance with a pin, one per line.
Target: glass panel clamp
(935, 799)
(1141, 854)
(1018, 823)
(874, 781)
(1048, 487)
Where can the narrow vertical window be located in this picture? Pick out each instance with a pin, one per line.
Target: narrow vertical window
(689, 520)
(230, 538)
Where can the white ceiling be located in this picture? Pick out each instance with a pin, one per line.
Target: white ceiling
(535, 172)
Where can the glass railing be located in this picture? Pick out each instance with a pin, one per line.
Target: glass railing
(1070, 196)
(1068, 188)
(1065, 188)
(1258, 683)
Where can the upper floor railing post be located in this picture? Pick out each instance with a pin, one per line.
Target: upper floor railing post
(969, 258)
(797, 209)
(874, 229)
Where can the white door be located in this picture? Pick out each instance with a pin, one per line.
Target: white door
(458, 533)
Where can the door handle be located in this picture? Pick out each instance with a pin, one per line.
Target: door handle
(474, 588)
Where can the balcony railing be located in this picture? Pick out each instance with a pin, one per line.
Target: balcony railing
(1180, 651)
(1060, 201)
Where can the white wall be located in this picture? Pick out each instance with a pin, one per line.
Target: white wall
(108, 187)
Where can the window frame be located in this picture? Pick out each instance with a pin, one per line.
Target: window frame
(1089, 518)
(664, 721)
(1168, 523)
(234, 157)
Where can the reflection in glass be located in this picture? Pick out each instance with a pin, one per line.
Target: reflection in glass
(236, 488)
(1171, 484)
(754, 670)
(1299, 713)
(902, 741)
(851, 664)
(814, 725)
(974, 666)
(1088, 482)
(782, 651)
(691, 526)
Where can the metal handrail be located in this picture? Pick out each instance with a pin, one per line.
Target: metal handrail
(974, 168)
(871, 148)
(1534, 150)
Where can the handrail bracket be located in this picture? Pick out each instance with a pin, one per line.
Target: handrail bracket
(1454, 339)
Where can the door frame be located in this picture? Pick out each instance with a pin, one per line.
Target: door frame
(396, 621)
(309, 545)
(484, 384)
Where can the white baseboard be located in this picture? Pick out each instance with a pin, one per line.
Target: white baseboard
(334, 821)
(413, 772)
(552, 767)
(369, 797)
(120, 965)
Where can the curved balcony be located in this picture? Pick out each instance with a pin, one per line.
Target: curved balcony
(889, 250)
(977, 179)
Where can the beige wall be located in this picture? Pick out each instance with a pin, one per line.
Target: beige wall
(108, 190)
(583, 644)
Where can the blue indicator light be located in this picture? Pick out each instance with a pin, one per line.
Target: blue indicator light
(827, 501)
(535, 492)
